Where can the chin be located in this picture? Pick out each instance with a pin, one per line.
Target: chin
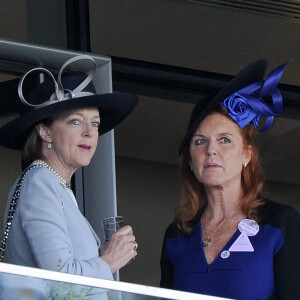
(84, 163)
(212, 183)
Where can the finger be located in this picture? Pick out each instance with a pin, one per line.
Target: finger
(125, 230)
(124, 240)
(121, 241)
(135, 246)
(126, 244)
(119, 251)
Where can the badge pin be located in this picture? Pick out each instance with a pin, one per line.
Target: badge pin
(242, 244)
(225, 254)
(249, 227)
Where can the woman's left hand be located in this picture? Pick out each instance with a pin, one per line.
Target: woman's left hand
(120, 249)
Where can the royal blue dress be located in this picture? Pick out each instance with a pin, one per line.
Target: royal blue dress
(271, 271)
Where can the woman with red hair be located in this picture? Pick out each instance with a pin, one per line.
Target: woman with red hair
(227, 240)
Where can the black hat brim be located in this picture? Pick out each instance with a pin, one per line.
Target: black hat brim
(113, 108)
(253, 72)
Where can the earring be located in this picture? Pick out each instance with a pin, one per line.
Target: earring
(49, 146)
(245, 164)
(192, 168)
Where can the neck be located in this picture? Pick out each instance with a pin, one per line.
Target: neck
(64, 182)
(59, 169)
(62, 169)
(222, 203)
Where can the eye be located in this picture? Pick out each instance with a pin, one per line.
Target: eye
(75, 122)
(225, 140)
(96, 124)
(199, 142)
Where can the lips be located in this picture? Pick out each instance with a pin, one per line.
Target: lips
(85, 146)
(211, 165)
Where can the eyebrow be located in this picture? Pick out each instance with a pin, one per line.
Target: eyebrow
(221, 133)
(81, 115)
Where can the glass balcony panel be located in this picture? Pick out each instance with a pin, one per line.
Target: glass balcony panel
(23, 283)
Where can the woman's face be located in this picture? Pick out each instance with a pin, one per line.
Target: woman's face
(217, 152)
(74, 137)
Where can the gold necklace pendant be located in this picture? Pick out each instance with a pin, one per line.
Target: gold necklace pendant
(206, 242)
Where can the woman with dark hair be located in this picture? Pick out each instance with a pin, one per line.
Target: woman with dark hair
(227, 240)
(58, 134)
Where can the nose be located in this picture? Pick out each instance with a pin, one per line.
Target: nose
(88, 130)
(212, 148)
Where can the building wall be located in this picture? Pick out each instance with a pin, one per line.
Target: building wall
(194, 34)
(147, 193)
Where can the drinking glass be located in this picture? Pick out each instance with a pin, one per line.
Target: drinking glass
(111, 225)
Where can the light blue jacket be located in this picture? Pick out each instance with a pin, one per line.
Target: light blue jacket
(49, 232)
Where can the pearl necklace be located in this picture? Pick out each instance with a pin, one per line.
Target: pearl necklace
(64, 182)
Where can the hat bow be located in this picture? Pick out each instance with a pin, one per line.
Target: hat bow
(60, 93)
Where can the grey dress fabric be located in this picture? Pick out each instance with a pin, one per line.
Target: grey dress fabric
(49, 232)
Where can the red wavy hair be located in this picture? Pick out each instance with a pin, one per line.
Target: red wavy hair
(193, 196)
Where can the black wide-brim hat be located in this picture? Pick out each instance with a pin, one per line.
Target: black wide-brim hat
(254, 72)
(113, 109)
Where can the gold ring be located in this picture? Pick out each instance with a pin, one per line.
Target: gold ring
(135, 246)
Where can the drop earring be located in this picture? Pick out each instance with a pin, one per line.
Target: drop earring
(49, 146)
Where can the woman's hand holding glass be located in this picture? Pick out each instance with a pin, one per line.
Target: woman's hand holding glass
(120, 247)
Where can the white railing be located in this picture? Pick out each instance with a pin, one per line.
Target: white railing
(18, 282)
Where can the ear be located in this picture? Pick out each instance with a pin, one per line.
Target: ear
(43, 131)
(190, 163)
(247, 154)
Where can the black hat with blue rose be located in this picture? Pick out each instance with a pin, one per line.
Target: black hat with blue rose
(243, 98)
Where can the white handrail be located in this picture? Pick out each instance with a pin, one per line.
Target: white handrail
(101, 283)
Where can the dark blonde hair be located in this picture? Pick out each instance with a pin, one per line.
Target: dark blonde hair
(193, 198)
(33, 146)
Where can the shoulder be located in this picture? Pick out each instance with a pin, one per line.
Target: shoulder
(172, 231)
(33, 178)
(279, 215)
(40, 184)
(272, 211)
(38, 171)
(40, 177)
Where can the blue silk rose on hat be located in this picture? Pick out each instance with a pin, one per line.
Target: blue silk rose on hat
(240, 111)
(248, 105)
